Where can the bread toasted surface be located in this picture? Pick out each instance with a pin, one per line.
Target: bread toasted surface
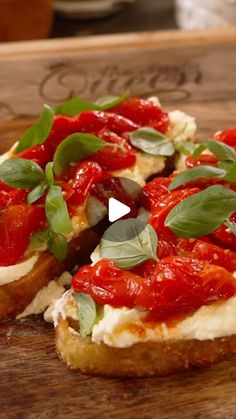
(17, 295)
(140, 360)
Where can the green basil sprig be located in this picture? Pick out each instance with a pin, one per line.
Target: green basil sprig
(39, 132)
(56, 211)
(75, 106)
(152, 142)
(109, 102)
(87, 312)
(127, 253)
(199, 172)
(77, 147)
(21, 173)
(221, 150)
(202, 213)
(57, 245)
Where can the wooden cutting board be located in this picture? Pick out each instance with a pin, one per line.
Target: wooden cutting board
(191, 71)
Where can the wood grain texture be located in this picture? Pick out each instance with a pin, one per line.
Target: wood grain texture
(193, 72)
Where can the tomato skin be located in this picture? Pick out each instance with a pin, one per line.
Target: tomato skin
(82, 177)
(112, 158)
(95, 121)
(203, 159)
(223, 235)
(144, 113)
(214, 254)
(17, 224)
(63, 126)
(228, 137)
(39, 154)
(13, 197)
(153, 191)
(176, 287)
(108, 284)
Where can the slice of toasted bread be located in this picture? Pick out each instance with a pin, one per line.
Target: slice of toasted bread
(17, 295)
(140, 360)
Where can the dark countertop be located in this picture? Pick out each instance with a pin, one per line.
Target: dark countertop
(145, 15)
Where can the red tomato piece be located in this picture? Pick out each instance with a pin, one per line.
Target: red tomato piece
(82, 177)
(204, 159)
(228, 137)
(17, 224)
(108, 284)
(95, 121)
(111, 158)
(153, 191)
(185, 284)
(215, 255)
(39, 154)
(144, 113)
(178, 286)
(63, 126)
(12, 197)
(225, 236)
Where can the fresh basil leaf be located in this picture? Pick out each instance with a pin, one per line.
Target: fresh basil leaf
(21, 173)
(127, 253)
(186, 148)
(38, 241)
(56, 211)
(75, 148)
(109, 102)
(198, 151)
(39, 132)
(152, 142)
(202, 213)
(49, 173)
(74, 106)
(219, 149)
(87, 312)
(231, 173)
(37, 193)
(231, 226)
(57, 245)
(199, 172)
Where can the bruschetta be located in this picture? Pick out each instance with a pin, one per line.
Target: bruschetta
(165, 300)
(48, 174)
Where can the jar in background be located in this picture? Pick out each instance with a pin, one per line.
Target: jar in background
(25, 19)
(201, 14)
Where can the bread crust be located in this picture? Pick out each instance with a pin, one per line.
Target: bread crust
(17, 295)
(141, 359)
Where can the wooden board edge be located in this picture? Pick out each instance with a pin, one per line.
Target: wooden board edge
(162, 39)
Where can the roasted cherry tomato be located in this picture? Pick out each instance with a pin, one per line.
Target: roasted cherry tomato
(178, 286)
(112, 159)
(108, 284)
(82, 177)
(203, 159)
(40, 154)
(215, 255)
(153, 191)
(17, 224)
(95, 121)
(63, 127)
(225, 236)
(228, 137)
(144, 113)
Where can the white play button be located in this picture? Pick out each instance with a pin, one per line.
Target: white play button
(117, 210)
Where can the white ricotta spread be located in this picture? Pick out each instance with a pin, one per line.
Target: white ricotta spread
(12, 273)
(46, 298)
(182, 126)
(123, 327)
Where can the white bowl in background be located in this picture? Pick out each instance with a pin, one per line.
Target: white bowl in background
(84, 9)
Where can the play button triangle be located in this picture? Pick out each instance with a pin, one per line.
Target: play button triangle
(117, 210)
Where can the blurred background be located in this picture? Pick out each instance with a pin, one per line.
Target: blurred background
(36, 19)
